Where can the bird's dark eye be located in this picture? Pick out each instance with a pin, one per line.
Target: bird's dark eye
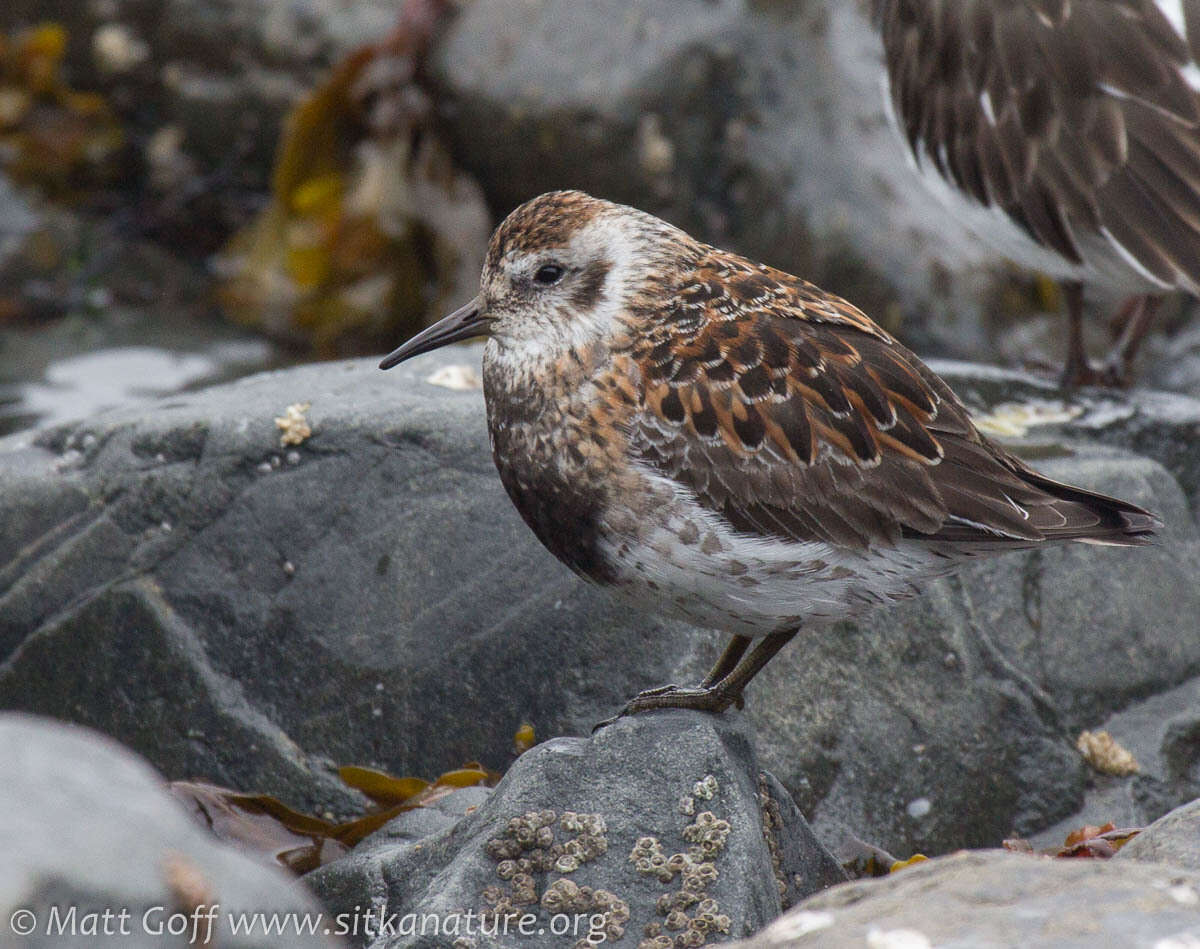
(549, 273)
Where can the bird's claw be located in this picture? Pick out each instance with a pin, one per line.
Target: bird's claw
(1113, 373)
(714, 699)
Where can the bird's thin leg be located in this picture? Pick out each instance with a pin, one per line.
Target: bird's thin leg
(1119, 320)
(1119, 365)
(720, 695)
(729, 659)
(1077, 371)
(763, 652)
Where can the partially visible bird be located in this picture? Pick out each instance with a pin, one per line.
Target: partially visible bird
(720, 441)
(1078, 122)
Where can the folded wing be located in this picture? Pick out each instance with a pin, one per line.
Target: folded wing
(792, 415)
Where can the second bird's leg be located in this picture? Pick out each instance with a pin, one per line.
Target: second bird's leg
(1078, 368)
(1135, 318)
(736, 669)
(1139, 316)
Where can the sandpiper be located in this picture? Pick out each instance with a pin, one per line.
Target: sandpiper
(721, 441)
(1077, 123)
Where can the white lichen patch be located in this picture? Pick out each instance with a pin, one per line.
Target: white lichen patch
(1184, 940)
(656, 152)
(794, 925)
(293, 425)
(1015, 419)
(1184, 895)
(1105, 754)
(897, 939)
(455, 376)
(117, 49)
(919, 807)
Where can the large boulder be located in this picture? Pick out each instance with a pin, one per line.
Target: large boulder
(253, 613)
(97, 852)
(992, 898)
(659, 824)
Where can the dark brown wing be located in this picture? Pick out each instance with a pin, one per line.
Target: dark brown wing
(1071, 115)
(793, 415)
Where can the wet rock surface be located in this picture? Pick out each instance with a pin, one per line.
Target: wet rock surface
(656, 827)
(992, 898)
(90, 829)
(252, 613)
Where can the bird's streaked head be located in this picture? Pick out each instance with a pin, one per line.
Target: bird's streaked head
(560, 269)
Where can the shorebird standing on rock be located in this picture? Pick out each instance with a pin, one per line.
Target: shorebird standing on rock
(1078, 123)
(720, 441)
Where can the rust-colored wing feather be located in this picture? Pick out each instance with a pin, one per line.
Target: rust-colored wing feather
(790, 413)
(1072, 117)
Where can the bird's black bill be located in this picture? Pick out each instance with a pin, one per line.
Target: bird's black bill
(463, 323)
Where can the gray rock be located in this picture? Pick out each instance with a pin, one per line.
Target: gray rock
(1173, 361)
(651, 814)
(96, 851)
(252, 608)
(370, 596)
(1173, 839)
(1162, 733)
(994, 898)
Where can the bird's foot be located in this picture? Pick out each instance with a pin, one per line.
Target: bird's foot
(1130, 325)
(712, 699)
(1113, 373)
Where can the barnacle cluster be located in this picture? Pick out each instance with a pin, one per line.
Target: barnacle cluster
(707, 835)
(566, 896)
(529, 845)
(691, 915)
(681, 930)
(772, 821)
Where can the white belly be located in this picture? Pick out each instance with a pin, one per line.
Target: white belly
(690, 565)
